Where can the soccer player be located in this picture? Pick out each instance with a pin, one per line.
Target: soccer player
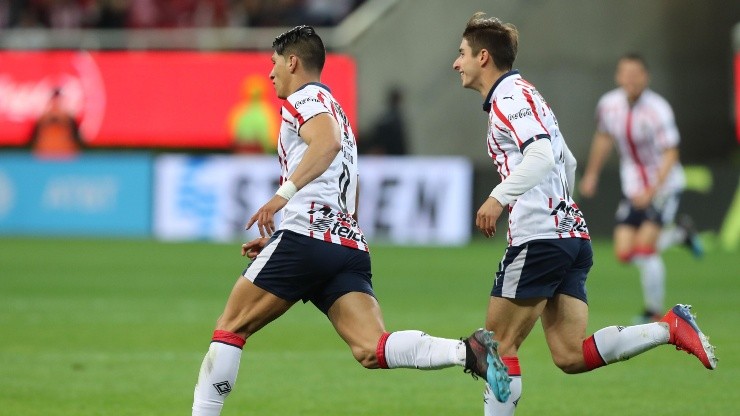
(642, 125)
(318, 253)
(544, 269)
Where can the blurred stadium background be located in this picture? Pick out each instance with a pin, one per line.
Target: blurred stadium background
(176, 124)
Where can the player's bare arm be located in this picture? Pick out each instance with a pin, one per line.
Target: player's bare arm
(321, 134)
(600, 149)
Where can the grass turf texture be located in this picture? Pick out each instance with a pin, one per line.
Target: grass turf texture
(110, 327)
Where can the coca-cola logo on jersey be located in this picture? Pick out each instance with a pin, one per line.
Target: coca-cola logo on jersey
(524, 112)
(306, 100)
(25, 92)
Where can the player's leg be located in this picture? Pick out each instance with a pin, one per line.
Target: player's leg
(358, 320)
(248, 309)
(511, 321)
(671, 234)
(652, 269)
(270, 286)
(624, 242)
(678, 231)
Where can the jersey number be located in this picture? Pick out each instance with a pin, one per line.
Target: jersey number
(343, 186)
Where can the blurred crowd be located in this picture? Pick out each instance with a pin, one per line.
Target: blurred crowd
(139, 14)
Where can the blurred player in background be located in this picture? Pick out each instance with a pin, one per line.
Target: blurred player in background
(319, 253)
(544, 270)
(56, 133)
(641, 123)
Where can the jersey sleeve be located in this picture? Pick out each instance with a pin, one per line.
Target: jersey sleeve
(522, 114)
(666, 131)
(303, 106)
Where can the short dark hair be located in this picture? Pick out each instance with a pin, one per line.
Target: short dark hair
(305, 43)
(636, 57)
(501, 40)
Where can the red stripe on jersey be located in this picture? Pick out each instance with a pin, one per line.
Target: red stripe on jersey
(321, 98)
(288, 106)
(506, 122)
(528, 96)
(525, 82)
(349, 243)
(633, 151)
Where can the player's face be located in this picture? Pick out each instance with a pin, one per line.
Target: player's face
(279, 75)
(632, 77)
(467, 65)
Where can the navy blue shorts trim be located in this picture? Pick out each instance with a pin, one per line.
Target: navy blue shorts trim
(297, 267)
(544, 268)
(627, 214)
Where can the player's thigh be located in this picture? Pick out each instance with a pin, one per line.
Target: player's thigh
(512, 320)
(564, 322)
(647, 235)
(624, 241)
(357, 318)
(249, 308)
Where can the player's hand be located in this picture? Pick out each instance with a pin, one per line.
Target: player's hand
(643, 200)
(254, 247)
(587, 186)
(488, 215)
(264, 217)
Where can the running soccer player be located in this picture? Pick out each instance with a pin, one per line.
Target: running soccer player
(544, 269)
(642, 125)
(318, 253)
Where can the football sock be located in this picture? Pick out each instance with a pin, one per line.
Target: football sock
(617, 343)
(493, 407)
(415, 349)
(217, 373)
(652, 277)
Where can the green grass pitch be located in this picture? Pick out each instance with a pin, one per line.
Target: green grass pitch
(111, 327)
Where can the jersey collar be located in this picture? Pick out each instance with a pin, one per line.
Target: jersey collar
(487, 103)
(318, 84)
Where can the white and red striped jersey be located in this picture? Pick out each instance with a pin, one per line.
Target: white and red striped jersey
(642, 132)
(322, 209)
(517, 116)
